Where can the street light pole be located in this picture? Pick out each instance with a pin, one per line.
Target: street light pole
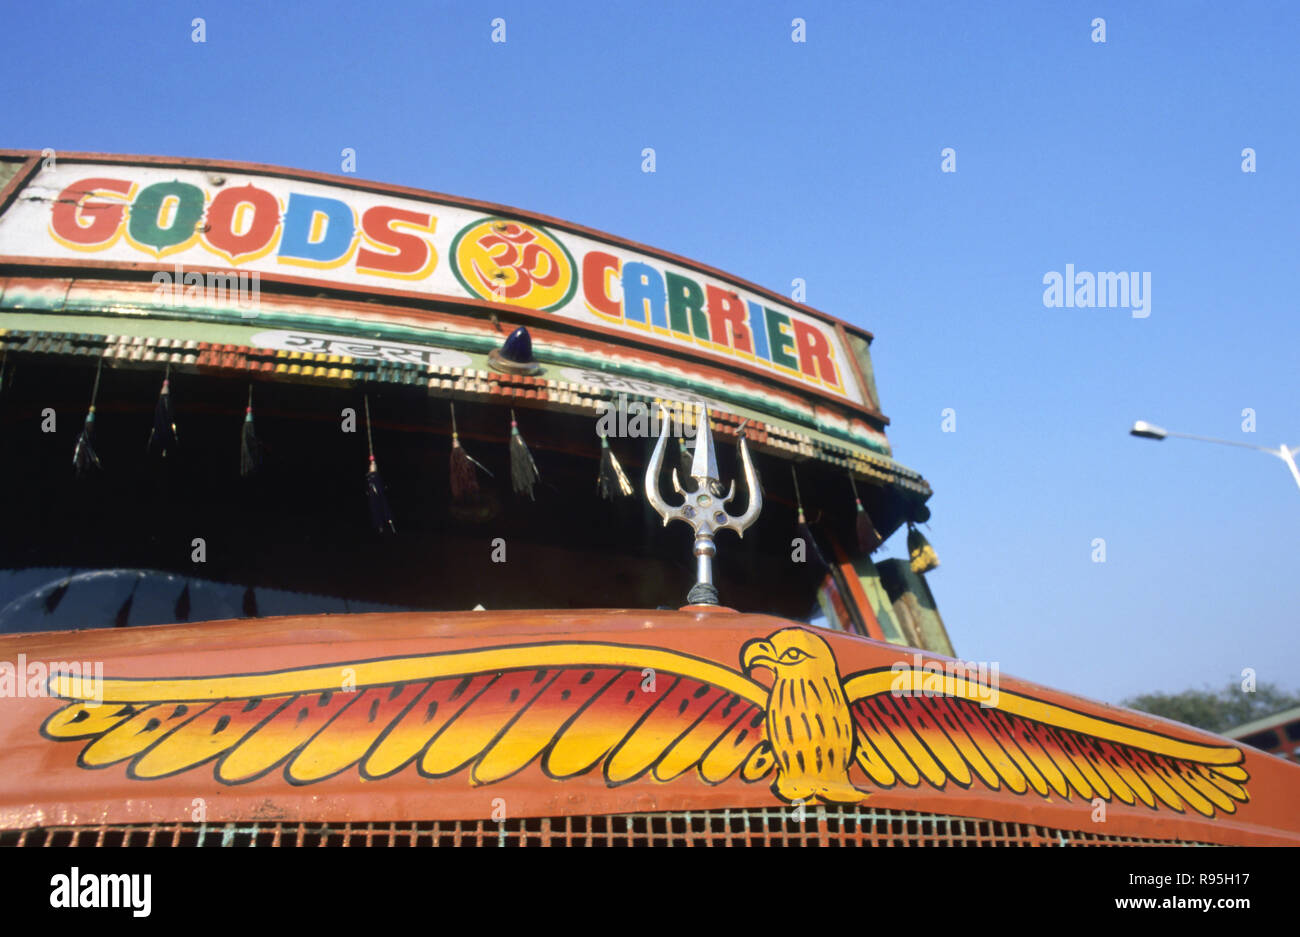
(1287, 454)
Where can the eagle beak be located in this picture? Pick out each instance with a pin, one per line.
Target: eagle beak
(757, 654)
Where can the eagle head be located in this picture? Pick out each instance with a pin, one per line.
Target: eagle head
(790, 653)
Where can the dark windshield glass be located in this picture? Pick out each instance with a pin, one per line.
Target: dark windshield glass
(154, 539)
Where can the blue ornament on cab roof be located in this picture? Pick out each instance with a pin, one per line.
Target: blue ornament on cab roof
(515, 355)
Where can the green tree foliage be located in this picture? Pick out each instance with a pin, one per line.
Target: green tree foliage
(1216, 711)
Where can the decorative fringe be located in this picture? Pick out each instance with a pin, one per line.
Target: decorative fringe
(380, 517)
(868, 538)
(250, 447)
(684, 461)
(163, 437)
(463, 481)
(181, 611)
(523, 470)
(83, 456)
(803, 531)
(923, 556)
(611, 481)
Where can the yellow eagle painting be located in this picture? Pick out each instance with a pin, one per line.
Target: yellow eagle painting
(809, 726)
(634, 713)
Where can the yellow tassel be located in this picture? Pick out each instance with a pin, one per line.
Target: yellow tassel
(923, 556)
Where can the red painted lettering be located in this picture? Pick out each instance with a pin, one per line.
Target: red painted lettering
(594, 266)
(408, 254)
(727, 319)
(84, 223)
(814, 353)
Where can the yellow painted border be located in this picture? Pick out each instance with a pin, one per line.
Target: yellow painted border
(912, 681)
(407, 669)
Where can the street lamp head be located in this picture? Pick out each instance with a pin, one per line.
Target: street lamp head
(1148, 430)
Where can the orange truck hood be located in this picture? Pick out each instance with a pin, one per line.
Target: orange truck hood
(471, 715)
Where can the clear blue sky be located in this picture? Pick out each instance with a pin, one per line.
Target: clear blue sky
(821, 160)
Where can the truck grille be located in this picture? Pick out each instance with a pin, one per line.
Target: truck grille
(728, 827)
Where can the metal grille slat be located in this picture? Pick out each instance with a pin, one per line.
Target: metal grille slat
(731, 826)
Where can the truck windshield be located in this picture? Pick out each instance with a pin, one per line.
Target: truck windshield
(153, 539)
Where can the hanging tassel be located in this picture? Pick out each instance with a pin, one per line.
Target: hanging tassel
(923, 556)
(250, 447)
(83, 456)
(611, 480)
(802, 529)
(464, 483)
(684, 461)
(380, 517)
(181, 611)
(523, 470)
(163, 437)
(868, 539)
(6, 372)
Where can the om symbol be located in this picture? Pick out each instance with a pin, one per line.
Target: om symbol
(513, 262)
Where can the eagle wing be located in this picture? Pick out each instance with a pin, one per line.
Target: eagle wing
(1022, 744)
(575, 707)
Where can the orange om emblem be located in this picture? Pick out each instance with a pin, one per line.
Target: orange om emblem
(508, 261)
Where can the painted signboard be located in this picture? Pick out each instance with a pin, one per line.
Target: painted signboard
(345, 236)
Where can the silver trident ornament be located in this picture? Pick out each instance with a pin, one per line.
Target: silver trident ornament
(705, 508)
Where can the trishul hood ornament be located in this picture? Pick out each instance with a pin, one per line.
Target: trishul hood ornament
(705, 508)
